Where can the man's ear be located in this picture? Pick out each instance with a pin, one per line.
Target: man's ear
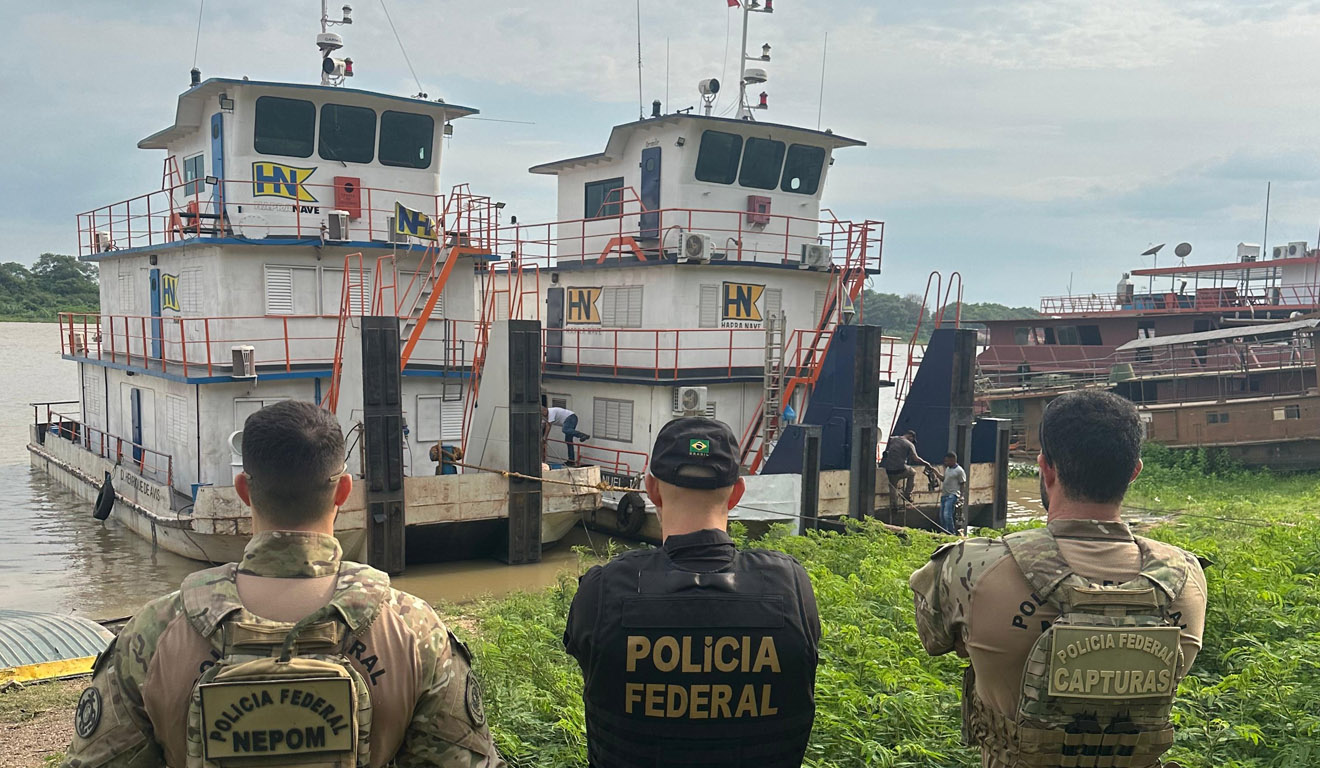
(242, 488)
(343, 488)
(1136, 472)
(1047, 472)
(653, 489)
(739, 488)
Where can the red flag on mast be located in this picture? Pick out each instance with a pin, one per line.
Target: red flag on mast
(734, 4)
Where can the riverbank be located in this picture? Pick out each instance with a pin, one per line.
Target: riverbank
(1249, 702)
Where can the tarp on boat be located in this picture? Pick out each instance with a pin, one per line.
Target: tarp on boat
(40, 646)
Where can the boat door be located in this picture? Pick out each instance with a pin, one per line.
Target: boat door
(135, 414)
(554, 318)
(650, 193)
(218, 168)
(155, 313)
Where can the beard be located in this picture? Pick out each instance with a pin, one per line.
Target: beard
(1044, 495)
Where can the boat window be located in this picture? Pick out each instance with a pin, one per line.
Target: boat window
(193, 173)
(406, 139)
(284, 127)
(604, 199)
(802, 169)
(612, 419)
(621, 306)
(708, 307)
(1216, 418)
(1067, 334)
(1288, 413)
(761, 163)
(717, 160)
(1021, 336)
(348, 133)
(1089, 335)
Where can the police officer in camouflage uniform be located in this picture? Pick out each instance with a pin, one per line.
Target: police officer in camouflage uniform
(696, 654)
(292, 654)
(1079, 632)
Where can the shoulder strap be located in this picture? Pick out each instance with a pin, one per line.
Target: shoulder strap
(1164, 565)
(209, 596)
(1037, 554)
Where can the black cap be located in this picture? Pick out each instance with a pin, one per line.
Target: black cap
(696, 452)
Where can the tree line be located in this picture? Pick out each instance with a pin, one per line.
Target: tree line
(898, 315)
(55, 283)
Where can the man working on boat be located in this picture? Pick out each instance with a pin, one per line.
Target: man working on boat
(696, 654)
(899, 456)
(1078, 632)
(567, 422)
(292, 653)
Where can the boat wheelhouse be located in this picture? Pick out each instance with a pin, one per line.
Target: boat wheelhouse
(286, 212)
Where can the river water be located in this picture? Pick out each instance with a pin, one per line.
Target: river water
(55, 557)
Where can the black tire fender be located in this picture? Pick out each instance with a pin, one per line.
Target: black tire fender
(105, 500)
(630, 514)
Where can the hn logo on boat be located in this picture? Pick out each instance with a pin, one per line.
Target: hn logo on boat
(738, 307)
(276, 180)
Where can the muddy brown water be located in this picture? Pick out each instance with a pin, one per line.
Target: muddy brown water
(55, 557)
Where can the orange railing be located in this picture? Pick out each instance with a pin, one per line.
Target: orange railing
(201, 346)
(613, 461)
(1218, 299)
(655, 353)
(778, 240)
(182, 210)
(151, 464)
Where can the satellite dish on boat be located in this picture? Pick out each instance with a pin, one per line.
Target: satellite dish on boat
(1182, 250)
(1152, 251)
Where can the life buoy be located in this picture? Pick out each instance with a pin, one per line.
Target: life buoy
(105, 500)
(630, 514)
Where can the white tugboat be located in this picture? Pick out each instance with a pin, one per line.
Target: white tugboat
(287, 211)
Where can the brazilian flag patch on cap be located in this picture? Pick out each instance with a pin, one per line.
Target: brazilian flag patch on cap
(698, 448)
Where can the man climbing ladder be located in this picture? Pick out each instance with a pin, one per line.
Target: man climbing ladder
(567, 421)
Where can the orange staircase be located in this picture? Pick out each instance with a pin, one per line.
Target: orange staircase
(803, 369)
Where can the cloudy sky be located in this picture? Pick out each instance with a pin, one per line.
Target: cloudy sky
(1026, 143)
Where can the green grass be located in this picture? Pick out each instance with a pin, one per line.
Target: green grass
(1252, 700)
(22, 703)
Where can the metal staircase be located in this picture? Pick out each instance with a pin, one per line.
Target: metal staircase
(915, 351)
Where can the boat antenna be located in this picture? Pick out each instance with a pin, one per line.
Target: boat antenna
(1265, 239)
(333, 70)
(640, 108)
(820, 103)
(666, 74)
(753, 76)
(197, 42)
(403, 50)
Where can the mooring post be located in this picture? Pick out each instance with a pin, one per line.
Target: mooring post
(865, 432)
(999, 513)
(382, 443)
(523, 526)
(809, 509)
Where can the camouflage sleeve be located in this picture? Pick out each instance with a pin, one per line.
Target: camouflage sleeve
(928, 587)
(111, 728)
(448, 727)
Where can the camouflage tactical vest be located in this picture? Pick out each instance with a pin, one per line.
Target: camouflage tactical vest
(281, 694)
(1099, 683)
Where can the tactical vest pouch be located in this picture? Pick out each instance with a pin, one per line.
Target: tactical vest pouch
(303, 711)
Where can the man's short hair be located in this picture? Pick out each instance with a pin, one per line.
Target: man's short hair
(951, 455)
(291, 451)
(911, 434)
(1092, 439)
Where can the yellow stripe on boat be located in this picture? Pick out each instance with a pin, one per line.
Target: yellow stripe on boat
(47, 670)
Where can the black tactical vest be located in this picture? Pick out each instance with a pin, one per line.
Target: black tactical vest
(700, 669)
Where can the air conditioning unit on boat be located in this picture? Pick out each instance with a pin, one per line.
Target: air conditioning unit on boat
(245, 361)
(103, 242)
(696, 247)
(1297, 249)
(394, 237)
(690, 401)
(78, 344)
(337, 226)
(815, 256)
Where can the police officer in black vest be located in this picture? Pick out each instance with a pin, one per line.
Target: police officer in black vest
(696, 654)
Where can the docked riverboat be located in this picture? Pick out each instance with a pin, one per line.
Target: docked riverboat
(1221, 355)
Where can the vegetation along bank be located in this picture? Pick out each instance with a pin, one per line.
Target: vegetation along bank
(1250, 700)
